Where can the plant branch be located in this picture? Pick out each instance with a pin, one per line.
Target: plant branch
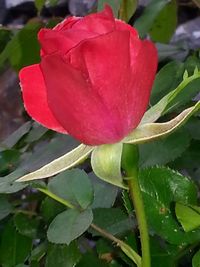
(130, 158)
(124, 247)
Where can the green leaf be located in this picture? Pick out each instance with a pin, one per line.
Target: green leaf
(104, 194)
(165, 23)
(25, 225)
(196, 258)
(8, 185)
(193, 126)
(36, 132)
(152, 10)
(23, 49)
(113, 220)
(190, 159)
(9, 159)
(5, 36)
(62, 255)
(69, 225)
(162, 151)
(163, 252)
(163, 83)
(5, 207)
(14, 138)
(106, 163)
(152, 131)
(39, 4)
(38, 252)
(115, 4)
(73, 186)
(161, 187)
(127, 9)
(188, 216)
(184, 92)
(91, 260)
(67, 161)
(14, 248)
(50, 208)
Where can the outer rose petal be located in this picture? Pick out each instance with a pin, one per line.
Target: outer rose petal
(122, 26)
(54, 41)
(72, 31)
(144, 61)
(122, 73)
(66, 24)
(35, 97)
(105, 60)
(100, 23)
(76, 105)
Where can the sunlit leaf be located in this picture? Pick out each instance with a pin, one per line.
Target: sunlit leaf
(188, 216)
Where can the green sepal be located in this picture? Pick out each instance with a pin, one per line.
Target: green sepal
(152, 131)
(65, 162)
(106, 163)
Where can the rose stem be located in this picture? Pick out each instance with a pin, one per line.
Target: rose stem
(130, 159)
(124, 247)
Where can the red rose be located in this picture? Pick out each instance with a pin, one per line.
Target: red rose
(94, 79)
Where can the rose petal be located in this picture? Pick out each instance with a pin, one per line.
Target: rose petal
(76, 105)
(74, 30)
(122, 73)
(66, 23)
(108, 70)
(100, 23)
(122, 26)
(144, 61)
(35, 97)
(53, 41)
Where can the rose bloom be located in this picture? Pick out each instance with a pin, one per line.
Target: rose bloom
(94, 79)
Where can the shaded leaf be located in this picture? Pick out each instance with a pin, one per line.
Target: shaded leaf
(8, 185)
(25, 225)
(5, 207)
(104, 194)
(69, 225)
(14, 248)
(164, 150)
(62, 255)
(9, 159)
(74, 186)
(113, 220)
(50, 208)
(14, 138)
(90, 260)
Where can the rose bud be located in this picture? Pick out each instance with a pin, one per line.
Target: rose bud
(94, 79)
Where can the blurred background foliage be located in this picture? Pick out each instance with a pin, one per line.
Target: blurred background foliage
(31, 224)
